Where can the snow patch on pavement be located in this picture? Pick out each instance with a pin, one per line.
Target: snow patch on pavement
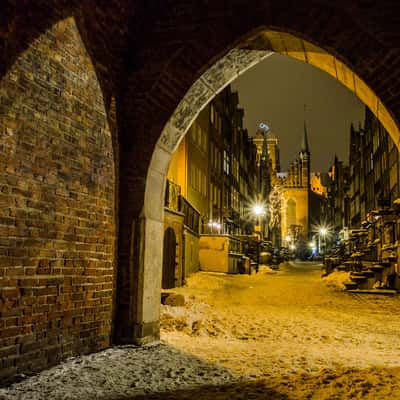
(120, 372)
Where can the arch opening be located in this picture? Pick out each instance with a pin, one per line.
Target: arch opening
(224, 71)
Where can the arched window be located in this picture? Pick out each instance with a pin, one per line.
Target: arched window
(291, 213)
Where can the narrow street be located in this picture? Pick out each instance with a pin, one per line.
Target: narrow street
(300, 333)
(273, 335)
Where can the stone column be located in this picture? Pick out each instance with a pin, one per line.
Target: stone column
(141, 196)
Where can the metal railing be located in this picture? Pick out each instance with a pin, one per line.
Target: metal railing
(172, 194)
(192, 216)
(176, 202)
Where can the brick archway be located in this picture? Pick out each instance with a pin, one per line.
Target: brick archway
(216, 78)
(147, 57)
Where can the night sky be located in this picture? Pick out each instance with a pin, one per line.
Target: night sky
(275, 91)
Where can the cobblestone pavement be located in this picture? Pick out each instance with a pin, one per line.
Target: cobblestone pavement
(285, 335)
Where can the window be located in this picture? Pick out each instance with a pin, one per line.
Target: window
(203, 184)
(393, 176)
(226, 163)
(192, 176)
(390, 144)
(375, 141)
(219, 124)
(193, 133)
(226, 198)
(198, 180)
(198, 135)
(214, 194)
(204, 140)
(235, 168)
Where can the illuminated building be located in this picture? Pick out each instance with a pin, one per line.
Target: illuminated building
(211, 179)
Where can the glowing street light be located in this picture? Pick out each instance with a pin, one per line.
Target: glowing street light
(322, 233)
(214, 224)
(258, 210)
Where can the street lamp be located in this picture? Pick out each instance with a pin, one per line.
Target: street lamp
(322, 232)
(313, 247)
(214, 224)
(259, 211)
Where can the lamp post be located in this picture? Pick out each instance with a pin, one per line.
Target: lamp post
(322, 233)
(312, 248)
(258, 211)
(214, 224)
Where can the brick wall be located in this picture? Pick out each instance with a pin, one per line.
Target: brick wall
(56, 180)
(57, 228)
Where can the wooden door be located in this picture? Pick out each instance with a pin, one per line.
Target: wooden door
(169, 259)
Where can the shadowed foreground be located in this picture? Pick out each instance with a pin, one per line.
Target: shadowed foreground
(371, 384)
(281, 336)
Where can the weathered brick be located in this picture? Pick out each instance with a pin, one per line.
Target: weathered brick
(9, 292)
(7, 351)
(59, 163)
(57, 156)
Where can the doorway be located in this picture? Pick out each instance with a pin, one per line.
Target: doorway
(169, 259)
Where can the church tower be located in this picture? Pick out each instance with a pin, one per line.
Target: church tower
(305, 160)
(265, 170)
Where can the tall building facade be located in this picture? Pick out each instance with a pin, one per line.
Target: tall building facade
(211, 181)
(369, 182)
(338, 196)
(232, 168)
(294, 186)
(296, 198)
(374, 169)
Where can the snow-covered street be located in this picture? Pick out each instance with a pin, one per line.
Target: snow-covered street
(284, 335)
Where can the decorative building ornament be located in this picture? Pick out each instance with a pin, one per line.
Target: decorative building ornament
(264, 127)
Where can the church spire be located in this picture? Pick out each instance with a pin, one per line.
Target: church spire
(304, 141)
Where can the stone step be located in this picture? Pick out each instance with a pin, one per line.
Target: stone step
(358, 278)
(349, 285)
(385, 264)
(172, 299)
(383, 292)
(376, 268)
(369, 273)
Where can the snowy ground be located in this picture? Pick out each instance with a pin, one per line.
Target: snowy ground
(120, 373)
(288, 335)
